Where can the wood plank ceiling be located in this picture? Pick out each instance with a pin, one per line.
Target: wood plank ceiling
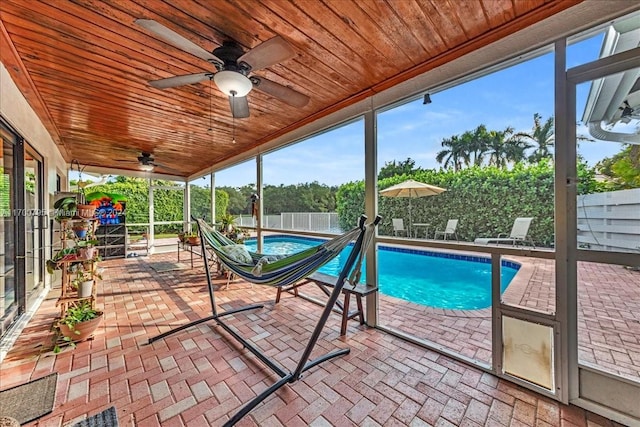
(84, 65)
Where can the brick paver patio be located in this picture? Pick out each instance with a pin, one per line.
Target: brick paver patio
(200, 376)
(608, 316)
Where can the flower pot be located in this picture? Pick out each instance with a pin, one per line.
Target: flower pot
(85, 289)
(85, 211)
(87, 253)
(80, 233)
(194, 241)
(81, 331)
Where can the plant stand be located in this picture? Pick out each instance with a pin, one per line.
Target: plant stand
(69, 295)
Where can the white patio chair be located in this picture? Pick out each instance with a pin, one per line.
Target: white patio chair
(398, 226)
(449, 230)
(519, 234)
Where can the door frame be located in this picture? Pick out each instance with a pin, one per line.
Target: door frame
(588, 388)
(19, 305)
(40, 223)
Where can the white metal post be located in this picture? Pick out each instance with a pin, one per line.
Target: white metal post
(565, 227)
(371, 208)
(186, 203)
(260, 193)
(212, 178)
(152, 232)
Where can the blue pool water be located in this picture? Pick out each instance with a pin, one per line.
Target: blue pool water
(423, 277)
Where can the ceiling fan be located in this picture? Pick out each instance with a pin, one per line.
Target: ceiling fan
(233, 68)
(147, 163)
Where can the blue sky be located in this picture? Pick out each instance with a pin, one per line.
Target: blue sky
(508, 97)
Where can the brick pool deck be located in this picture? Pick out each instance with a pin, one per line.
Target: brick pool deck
(608, 319)
(199, 376)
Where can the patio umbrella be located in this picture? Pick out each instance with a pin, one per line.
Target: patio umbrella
(411, 189)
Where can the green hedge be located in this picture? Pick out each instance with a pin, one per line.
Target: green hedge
(486, 201)
(167, 203)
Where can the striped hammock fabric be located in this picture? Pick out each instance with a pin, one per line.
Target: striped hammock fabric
(264, 269)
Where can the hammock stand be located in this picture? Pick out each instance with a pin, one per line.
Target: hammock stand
(304, 363)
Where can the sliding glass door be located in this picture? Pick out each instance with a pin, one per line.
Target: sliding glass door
(8, 285)
(35, 222)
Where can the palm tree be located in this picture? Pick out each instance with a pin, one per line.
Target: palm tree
(542, 135)
(476, 144)
(455, 155)
(497, 149)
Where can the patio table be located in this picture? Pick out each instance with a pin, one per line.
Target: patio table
(418, 225)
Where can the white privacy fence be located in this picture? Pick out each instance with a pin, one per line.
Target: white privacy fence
(610, 221)
(322, 222)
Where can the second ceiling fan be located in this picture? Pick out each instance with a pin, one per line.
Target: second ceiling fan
(233, 68)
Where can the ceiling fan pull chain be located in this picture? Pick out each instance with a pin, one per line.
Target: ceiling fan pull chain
(210, 106)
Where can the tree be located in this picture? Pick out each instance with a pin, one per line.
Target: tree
(543, 136)
(475, 144)
(454, 155)
(309, 197)
(239, 199)
(406, 167)
(623, 169)
(472, 147)
(504, 148)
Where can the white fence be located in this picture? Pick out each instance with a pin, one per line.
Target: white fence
(322, 222)
(610, 221)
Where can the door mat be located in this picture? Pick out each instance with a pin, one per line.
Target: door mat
(106, 418)
(30, 401)
(163, 266)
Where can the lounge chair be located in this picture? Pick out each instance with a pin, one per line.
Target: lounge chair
(398, 226)
(449, 230)
(519, 234)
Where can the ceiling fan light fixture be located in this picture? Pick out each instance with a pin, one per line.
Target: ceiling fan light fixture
(146, 167)
(232, 83)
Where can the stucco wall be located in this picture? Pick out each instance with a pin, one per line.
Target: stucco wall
(15, 110)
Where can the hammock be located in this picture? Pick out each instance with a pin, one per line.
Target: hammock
(281, 272)
(273, 270)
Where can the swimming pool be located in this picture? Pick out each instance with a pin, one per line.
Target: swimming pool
(435, 279)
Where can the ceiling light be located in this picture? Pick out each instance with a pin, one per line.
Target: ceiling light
(146, 168)
(232, 83)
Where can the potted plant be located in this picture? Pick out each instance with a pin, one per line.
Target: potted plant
(65, 208)
(80, 321)
(192, 238)
(85, 211)
(86, 248)
(226, 222)
(83, 282)
(80, 229)
(54, 263)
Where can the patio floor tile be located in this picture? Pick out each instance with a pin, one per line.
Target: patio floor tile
(201, 377)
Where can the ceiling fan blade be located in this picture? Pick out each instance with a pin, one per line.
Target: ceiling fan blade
(271, 52)
(283, 93)
(177, 40)
(187, 79)
(239, 107)
(167, 168)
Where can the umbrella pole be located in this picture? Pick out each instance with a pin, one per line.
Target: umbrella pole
(410, 220)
